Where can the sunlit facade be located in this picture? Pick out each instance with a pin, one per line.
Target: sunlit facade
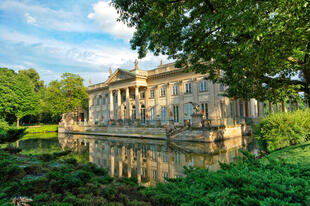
(163, 94)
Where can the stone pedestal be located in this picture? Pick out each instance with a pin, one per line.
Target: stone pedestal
(196, 120)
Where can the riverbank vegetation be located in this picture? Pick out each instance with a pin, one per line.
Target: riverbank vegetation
(25, 99)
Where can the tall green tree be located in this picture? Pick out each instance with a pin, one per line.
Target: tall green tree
(34, 76)
(260, 49)
(17, 95)
(67, 95)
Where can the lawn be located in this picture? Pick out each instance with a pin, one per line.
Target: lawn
(42, 128)
(296, 154)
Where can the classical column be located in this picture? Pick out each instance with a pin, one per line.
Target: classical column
(137, 103)
(168, 102)
(147, 112)
(119, 104)
(260, 109)
(181, 96)
(106, 108)
(127, 104)
(111, 104)
(157, 108)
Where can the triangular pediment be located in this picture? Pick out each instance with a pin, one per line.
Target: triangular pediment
(119, 75)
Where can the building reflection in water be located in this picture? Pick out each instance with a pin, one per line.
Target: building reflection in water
(151, 161)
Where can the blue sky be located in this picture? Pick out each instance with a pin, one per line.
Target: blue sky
(78, 36)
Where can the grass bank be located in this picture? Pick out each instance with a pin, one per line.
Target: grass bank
(41, 129)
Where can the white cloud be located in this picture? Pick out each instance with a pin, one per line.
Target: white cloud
(106, 16)
(30, 19)
(59, 20)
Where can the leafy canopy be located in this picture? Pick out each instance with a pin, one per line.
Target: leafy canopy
(262, 47)
(68, 94)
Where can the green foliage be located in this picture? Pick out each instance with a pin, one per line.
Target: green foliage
(3, 125)
(42, 129)
(251, 182)
(280, 130)
(17, 95)
(11, 135)
(259, 45)
(62, 183)
(66, 95)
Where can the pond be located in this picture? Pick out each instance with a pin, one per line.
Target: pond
(149, 161)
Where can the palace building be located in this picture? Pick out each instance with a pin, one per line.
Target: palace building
(162, 95)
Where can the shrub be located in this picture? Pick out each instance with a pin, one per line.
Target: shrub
(3, 125)
(281, 130)
(11, 135)
(251, 182)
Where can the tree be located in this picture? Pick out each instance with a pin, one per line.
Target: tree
(34, 76)
(17, 95)
(260, 49)
(66, 95)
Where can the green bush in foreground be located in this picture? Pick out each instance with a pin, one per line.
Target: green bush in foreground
(281, 130)
(251, 182)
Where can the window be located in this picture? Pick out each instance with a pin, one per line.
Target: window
(221, 87)
(152, 93)
(103, 114)
(175, 89)
(203, 85)
(98, 116)
(176, 113)
(154, 174)
(232, 110)
(152, 114)
(142, 95)
(223, 109)
(163, 111)
(205, 110)
(163, 91)
(98, 101)
(103, 100)
(124, 98)
(188, 87)
(189, 111)
(241, 109)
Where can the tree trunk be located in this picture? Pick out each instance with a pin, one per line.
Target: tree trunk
(17, 122)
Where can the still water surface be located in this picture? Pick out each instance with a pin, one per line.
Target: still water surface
(149, 161)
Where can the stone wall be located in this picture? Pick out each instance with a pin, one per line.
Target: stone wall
(213, 134)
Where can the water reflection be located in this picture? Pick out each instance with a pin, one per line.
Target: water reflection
(151, 161)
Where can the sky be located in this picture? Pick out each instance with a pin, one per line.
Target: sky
(77, 36)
